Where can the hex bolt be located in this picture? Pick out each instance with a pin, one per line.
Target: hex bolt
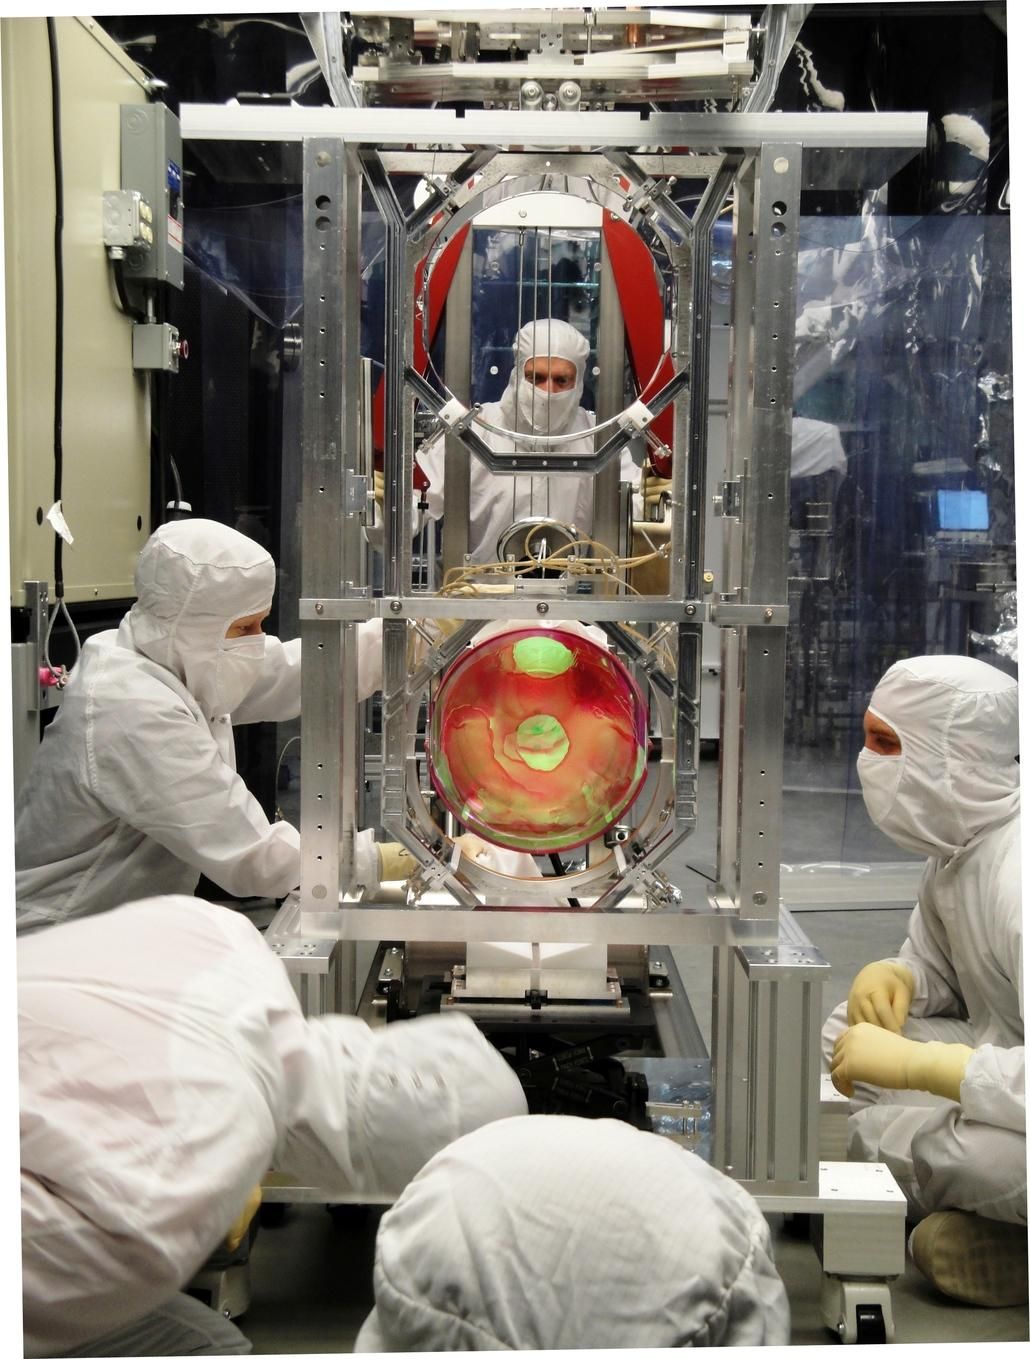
(542, 608)
(319, 607)
(395, 606)
(768, 615)
(322, 158)
(690, 610)
(759, 898)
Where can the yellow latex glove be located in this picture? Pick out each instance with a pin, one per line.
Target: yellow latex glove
(395, 861)
(378, 489)
(472, 846)
(654, 488)
(873, 1055)
(881, 994)
(238, 1230)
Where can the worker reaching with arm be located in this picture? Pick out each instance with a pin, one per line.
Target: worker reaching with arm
(932, 1055)
(134, 789)
(165, 1066)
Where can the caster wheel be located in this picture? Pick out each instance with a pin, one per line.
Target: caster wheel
(870, 1325)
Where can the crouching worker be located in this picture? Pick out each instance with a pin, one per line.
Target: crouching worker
(550, 1233)
(929, 1045)
(165, 1066)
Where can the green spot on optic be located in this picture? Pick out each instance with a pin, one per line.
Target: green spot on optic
(542, 657)
(541, 741)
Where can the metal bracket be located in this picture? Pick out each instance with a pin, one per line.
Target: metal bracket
(729, 502)
(356, 493)
(726, 615)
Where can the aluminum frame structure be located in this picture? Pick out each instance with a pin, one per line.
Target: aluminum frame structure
(766, 1013)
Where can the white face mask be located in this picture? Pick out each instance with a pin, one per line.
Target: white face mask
(880, 776)
(237, 668)
(545, 412)
(902, 802)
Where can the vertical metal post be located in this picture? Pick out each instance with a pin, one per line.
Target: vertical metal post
(332, 548)
(738, 450)
(458, 376)
(754, 661)
(611, 350)
(766, 510)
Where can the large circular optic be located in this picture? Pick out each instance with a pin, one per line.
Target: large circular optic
(537, 739)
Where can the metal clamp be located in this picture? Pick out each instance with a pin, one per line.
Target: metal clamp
(638, 416)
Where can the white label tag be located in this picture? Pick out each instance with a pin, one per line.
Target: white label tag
(175, 234)
(57, 521)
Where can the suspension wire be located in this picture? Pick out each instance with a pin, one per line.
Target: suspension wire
(550, 318)
(522, 277)
(536, 319)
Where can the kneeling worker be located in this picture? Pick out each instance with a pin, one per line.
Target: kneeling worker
(165, 1067)
(932, 1055)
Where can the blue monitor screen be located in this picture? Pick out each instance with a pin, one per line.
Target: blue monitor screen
(963, 510)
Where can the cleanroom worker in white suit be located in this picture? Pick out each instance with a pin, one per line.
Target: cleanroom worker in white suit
(165, 1067)
(553, 1233)
(542, 398)
(930, 1044)
(134, 790)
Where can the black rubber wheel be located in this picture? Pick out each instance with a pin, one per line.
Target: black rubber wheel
(272, 1214)
(869, 1324)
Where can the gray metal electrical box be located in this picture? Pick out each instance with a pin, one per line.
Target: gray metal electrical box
(152, 165)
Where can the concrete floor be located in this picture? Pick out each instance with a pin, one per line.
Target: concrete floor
(312, 1276)
(311, 1280)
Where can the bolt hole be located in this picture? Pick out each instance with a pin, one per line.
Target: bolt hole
(39, 514)
(322, 202)
(779, 209)
(323, 223)
(139, 522)
(777, 230)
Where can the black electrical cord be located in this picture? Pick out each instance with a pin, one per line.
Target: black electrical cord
(55, 94)
(559, 872)
(124, 301)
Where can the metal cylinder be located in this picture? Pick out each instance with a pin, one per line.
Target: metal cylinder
(531, 95)
(569, 95)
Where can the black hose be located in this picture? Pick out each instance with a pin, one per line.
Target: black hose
(55, 94)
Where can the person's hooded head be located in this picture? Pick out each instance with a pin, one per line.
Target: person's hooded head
(546, 383)
(939, 766)
(194, 579)
(541, 1233)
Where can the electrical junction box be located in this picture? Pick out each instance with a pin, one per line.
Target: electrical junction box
(156, 345)
(152, 166)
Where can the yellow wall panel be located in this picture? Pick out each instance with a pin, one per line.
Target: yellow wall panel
(106, 483)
